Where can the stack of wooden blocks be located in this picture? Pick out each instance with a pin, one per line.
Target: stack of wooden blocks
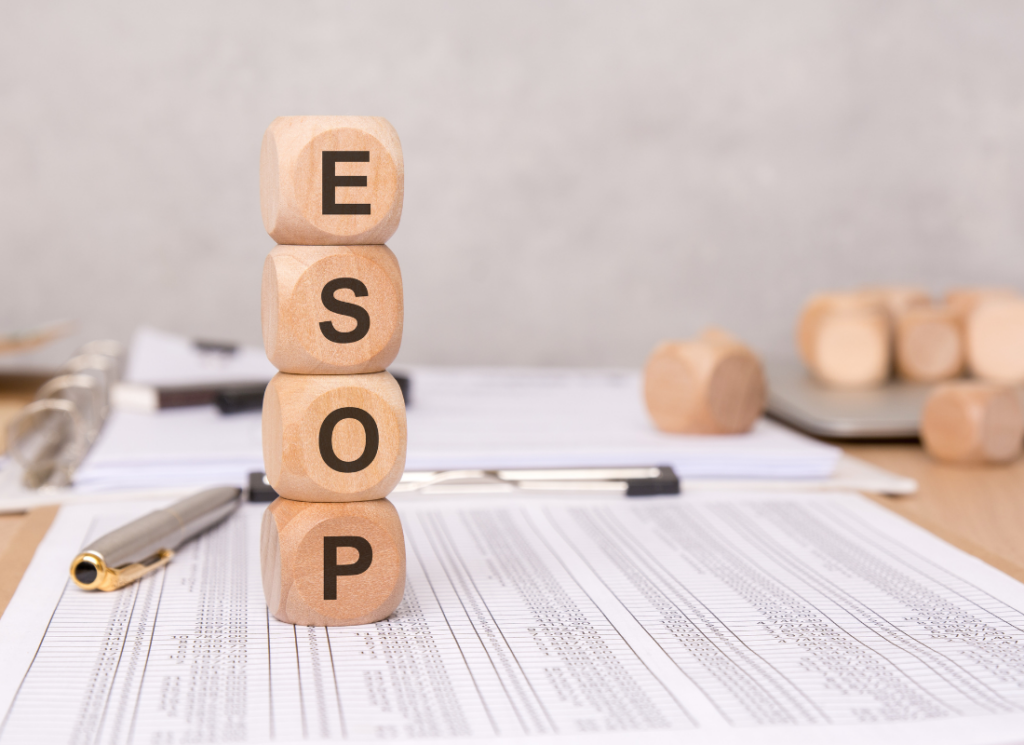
(334, 427)
(858, 339)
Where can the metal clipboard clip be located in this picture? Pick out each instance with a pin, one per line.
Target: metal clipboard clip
(644, 481)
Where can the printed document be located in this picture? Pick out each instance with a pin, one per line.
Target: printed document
(715, 618)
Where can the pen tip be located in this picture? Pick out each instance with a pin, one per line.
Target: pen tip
(85, 572)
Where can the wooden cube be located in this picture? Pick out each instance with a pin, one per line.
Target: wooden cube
(332, 309)
(710, 385)
(965, 299)
(334, 438)
(845, 339)
(331, 180)
(898, 299)
(973, 422)
(994, 332)
(332, 564)
(929, 344)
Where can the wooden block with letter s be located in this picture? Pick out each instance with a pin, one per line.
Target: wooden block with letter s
(709, 385)
(331, 180)
(334, 438)
(332, 310)
(332, 564)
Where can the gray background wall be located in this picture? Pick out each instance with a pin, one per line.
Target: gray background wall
(583, 178)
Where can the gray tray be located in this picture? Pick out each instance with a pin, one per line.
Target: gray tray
(891, 412)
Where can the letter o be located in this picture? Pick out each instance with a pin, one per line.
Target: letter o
(327, 436)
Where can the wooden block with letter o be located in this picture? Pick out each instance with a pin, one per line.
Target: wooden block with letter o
(710, 385)
(331, 180)
(332, 564)
(334, 438)
(332, 309)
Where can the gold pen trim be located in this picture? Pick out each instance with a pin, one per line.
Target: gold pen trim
(90, 572)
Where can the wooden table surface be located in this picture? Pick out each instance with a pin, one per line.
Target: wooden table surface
(978, 509)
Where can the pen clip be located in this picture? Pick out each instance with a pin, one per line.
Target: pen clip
(90, 572)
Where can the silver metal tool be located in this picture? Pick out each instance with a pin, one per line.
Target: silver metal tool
(132, 551)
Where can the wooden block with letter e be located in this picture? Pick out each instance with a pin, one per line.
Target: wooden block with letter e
(334, 438)
(332, 564)
(710, 385)
(332, 309)
(331, 180)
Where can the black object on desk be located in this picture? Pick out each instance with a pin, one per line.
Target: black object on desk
(230, 398)
(260, 489)
(666, 482)
(240, 398)
(405, 384)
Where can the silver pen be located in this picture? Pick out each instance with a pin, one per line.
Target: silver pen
(144, 545)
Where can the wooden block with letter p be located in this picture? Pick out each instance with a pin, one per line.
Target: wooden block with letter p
(332, 309)
(331, 180)
(332, 564)
(710, 385)
(334, 438)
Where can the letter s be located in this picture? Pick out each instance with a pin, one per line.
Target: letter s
(340, 307)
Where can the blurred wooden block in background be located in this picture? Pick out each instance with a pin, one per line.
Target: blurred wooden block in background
(973, 422)
(334, 438)
(332, 564)
(845, 339)
(332, 310)
(710, 385)
(929, 344)
(331, 180)
(965, 299)
(994, 333)
(898, 299)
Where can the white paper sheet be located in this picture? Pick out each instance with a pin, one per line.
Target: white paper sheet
(515, 418)
(464, 418)
(189, 447)
(726, 619)
(163, 359)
